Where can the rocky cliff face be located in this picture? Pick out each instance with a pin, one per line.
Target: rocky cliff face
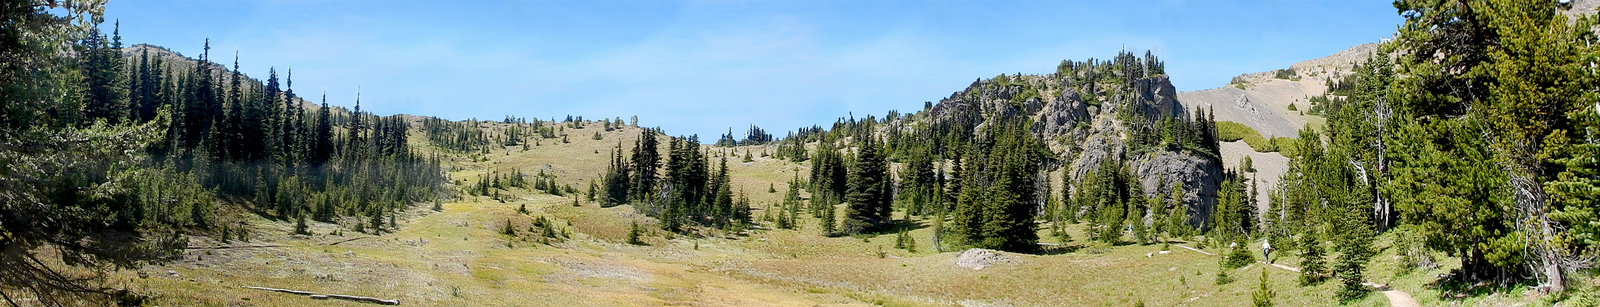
(1083, 118)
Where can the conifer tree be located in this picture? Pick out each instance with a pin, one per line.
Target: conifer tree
(201, 106)
(1178, 225)
(997, 204)
(355, 145)
(107, 85)
(1312, 267)
(866, 190)
(721, 196)
(321, 149)
(741, 211)
(1263, 295)
(633, 234)
(827, 221)
(1504, 84)
(791, 204)
(829, 177)
(292, 134)
(300, 225)
(147, 92)
(1354, 243)
(275, 119)
(616, 180)
(918, 181)
(228, 137)
(644, 164)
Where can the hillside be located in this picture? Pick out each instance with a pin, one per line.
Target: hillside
(166, 180)
(1261, 100)
(1095, 112)
(172, 61)
(461, 256)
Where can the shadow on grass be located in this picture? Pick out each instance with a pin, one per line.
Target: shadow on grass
(1458, 285)
(1046, 250)
(901, 225)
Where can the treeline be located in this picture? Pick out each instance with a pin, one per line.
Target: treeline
(1471, 134)
(257, 141)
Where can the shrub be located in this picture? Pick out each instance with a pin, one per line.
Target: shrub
(1222, 277)
(633, 234)
(1413, 255)
(1238, 257)
(905, 241)
(300, 225)
(1285, 74)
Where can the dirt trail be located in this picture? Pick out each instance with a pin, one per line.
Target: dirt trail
(1396, 298)
(1400, 299)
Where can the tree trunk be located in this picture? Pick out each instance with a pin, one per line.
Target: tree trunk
(1536, 228)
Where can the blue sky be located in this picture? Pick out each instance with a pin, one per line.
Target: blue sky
(701, 67)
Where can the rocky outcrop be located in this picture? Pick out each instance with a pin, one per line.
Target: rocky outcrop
(1081, 120)
(1201, 176)
(1061, 115)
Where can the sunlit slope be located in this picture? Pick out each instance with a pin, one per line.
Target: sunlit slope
(462, 256)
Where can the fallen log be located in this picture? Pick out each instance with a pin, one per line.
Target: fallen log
(363, 299)
(280, 290)
(346, 240)
(373, 300)
(234, 247)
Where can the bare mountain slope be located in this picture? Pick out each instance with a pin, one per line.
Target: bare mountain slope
(1261, 100)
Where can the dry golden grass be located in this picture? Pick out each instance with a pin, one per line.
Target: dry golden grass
(459, 257)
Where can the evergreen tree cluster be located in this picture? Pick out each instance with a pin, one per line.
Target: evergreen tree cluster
(248, 139)
(255, 140)
(461, 137)
(689, 194)
(868, 189)
(753, 136)
(950, 169)
(1108, 198)
(996, 197)
(793, 146)
(788, 211)
(829, 179)
(143, 145)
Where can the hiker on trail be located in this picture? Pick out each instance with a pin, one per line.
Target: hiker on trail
(1266, 250)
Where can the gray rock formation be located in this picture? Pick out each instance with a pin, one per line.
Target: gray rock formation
(1082, 126)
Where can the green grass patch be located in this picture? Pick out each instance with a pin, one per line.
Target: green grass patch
(1230, 131)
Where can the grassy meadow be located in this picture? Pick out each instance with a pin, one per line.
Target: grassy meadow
(462, 256)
